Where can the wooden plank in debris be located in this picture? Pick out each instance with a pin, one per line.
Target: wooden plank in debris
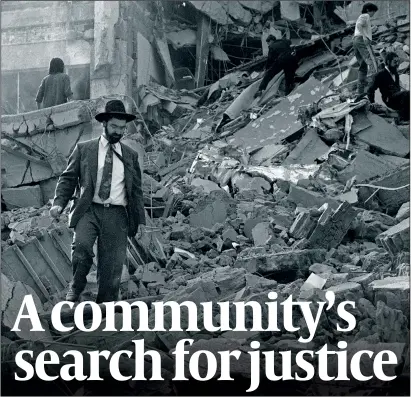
(281, 122)
(202, 48)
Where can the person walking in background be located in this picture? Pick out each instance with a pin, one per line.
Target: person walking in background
(55, 88)
(106, 176)
(280, 57)
(362, 46)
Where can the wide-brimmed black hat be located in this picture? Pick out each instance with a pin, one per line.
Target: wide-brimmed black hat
(115, 108)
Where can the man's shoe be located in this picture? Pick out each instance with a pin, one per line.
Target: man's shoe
(72, 296)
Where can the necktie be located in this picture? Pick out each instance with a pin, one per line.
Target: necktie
(105, 186)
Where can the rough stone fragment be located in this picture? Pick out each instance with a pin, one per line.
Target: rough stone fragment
(229, 234)
(308, 198)
(341, 290)
(303, 226)
(286, 266)
(334, 279)
(392, 200)
(332, 227)
(392, 324)
(308, 149)
(319, 268)
(397, 238)
(244, 182)
(215, 208)
(208, 186)
(395, 284)
(384, 137)
(403, 212)
(26, 196)
(312, 282)
(365, 166)
(262, 234)
(227, 279)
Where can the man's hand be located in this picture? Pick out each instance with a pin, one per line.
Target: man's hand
(140, 231)
(55, 211)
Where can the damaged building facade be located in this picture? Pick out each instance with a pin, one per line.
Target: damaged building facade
(298, 194)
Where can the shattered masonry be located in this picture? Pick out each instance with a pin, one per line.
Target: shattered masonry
(300, 194)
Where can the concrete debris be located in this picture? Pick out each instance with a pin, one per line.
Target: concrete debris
(397, 238)
(299, 194)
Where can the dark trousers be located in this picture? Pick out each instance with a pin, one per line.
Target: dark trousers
(401, 103)
(286, 62)
(109, 225)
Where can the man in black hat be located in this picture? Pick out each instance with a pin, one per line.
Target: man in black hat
(280, 57)
(108, 204)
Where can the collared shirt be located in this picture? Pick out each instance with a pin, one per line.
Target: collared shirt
(363, 27)
(118, 185)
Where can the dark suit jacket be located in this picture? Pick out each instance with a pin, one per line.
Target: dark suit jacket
(386, 84)
(80, 177)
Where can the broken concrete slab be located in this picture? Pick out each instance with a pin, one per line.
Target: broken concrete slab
(244, 182)
(365, 166)
(268, 152)
(14, 293)
(303, 226)
(308, 198)
(208, 186)
(281, 122)
(308, 149)
(391, 200)
(214, 10)
(262, 234)
(384, 137)
(312, 282)
(20, 168)
(332, 227)
(396, 239)
(398, 161)
(403, 212)
(239, 14)
(392, 324)
(213, 209)
(400, 283)
(342, 290)
(283, 266)
(25, 196)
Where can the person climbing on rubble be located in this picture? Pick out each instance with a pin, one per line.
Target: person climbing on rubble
(362, 47)
(388, 82)
(280, 57)
(55, 88)
(106, 176)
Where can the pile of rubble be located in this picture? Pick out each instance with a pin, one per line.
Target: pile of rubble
(300, 195)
